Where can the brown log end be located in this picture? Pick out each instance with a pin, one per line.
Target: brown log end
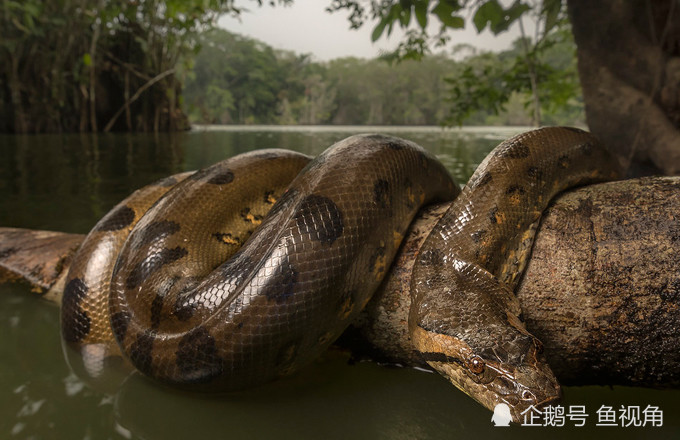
(40, 258)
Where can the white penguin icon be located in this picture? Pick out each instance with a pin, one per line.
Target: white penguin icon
(501, 415)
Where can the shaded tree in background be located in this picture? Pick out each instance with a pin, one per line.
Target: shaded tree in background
(237, 80)
(79, 65)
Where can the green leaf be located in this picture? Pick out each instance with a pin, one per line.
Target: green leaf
(510, 15)
(87, 60)
(420, 8)
(378, 29)
(444, 11)
(490, 13)
(551, 9)
(405, 17)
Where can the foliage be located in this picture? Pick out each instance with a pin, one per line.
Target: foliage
(257, 84)
(483, 84)
(237, 80)
(489, 81)
(76, 65)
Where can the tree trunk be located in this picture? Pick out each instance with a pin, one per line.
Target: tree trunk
(629, 66)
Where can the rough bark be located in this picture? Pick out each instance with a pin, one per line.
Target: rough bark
(629, 66)
(602, 288)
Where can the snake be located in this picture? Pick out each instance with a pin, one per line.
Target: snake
(245, 271)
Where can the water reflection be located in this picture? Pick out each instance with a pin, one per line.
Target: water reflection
(67, 182)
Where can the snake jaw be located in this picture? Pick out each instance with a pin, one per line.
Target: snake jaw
(530, 384)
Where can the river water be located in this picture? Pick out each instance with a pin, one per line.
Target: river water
(67, 182)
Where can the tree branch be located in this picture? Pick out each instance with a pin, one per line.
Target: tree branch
(137, 94)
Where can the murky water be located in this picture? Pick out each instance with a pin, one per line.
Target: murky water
(68, 182)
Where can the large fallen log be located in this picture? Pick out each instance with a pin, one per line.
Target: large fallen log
(602, 288)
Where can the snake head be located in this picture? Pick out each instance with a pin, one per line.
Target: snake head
(490, 376)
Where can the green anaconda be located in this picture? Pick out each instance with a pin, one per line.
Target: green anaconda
(246, 270)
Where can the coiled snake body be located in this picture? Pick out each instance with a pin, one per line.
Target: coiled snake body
(173, 278)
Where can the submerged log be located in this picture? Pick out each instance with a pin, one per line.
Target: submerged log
(602, 288)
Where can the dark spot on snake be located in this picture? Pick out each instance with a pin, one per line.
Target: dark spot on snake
(156, 309)
(481, 180)
(269, 197)
(152, 263)
(155, 231)
(377, 262)
(75, 322)
(564, 161)
(140, 352)
(283, 283)
(513, 151)
(319, 217)
(222, 178)
(117, 219)
(477, 235)
(432, 257)
(227, 238)
(197, 357)
(381, 194)
(574, 129)
(534, 172)
(515, 189)
(166, 182)
(4, 253)
(347, 298)
(493, 215)
(250, 218)
(408, 186)
(119, 324)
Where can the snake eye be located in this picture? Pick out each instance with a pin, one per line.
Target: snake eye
(475, 364)
(528, 395)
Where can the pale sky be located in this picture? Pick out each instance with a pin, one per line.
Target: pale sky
(305, 27)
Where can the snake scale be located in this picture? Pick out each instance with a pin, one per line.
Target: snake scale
(244, 271)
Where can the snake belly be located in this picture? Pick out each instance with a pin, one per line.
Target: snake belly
(465, 319)
(184, 317)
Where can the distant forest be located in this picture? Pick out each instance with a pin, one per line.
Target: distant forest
(239, 80)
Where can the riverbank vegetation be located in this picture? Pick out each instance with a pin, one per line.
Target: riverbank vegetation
(69, 66)
(238, 80)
